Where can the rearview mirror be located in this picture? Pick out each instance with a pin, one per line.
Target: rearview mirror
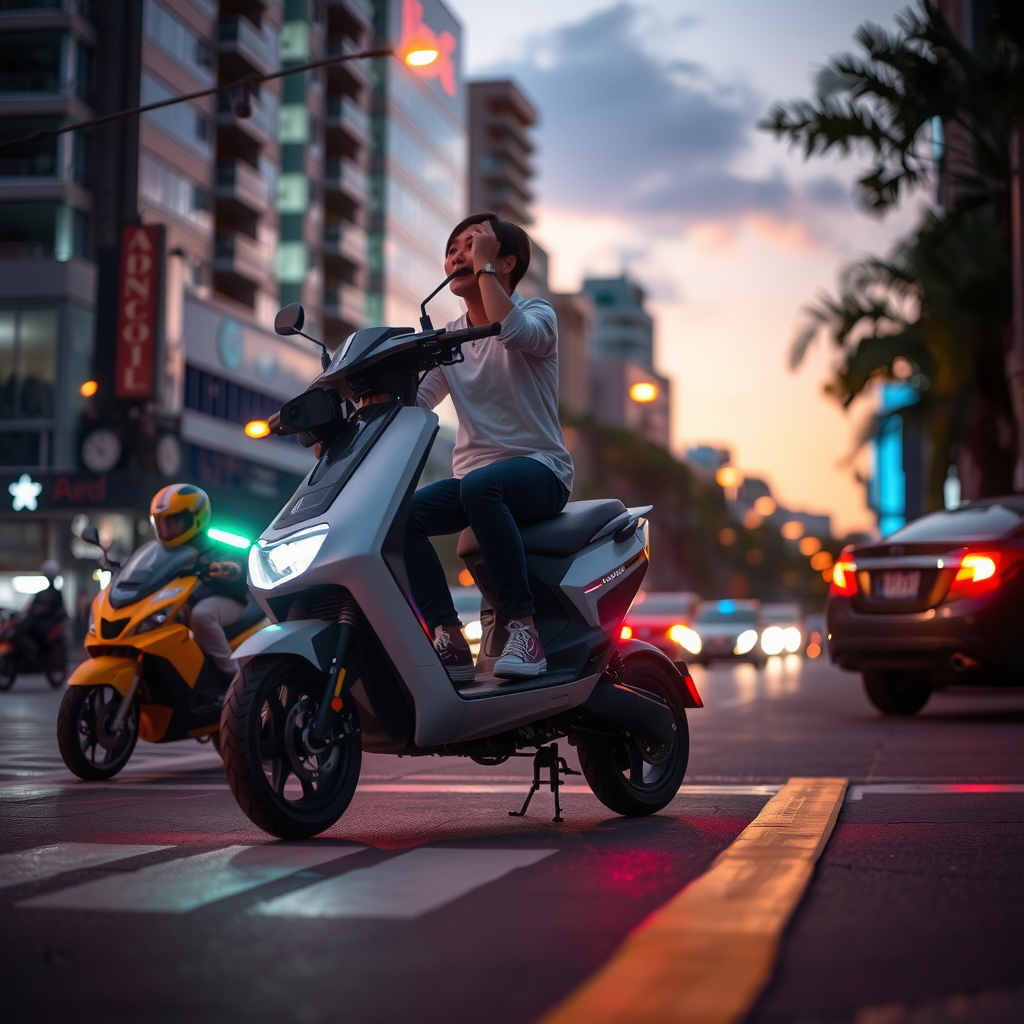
(91, 536)
(290, 319)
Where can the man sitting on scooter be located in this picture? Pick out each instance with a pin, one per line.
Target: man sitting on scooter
(44, 612)
(510, 462)
(180, 515)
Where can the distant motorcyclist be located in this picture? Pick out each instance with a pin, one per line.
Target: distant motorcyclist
(180, 514)
(44, 613)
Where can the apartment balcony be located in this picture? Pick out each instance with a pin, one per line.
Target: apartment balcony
(344, 243)
(362, 10)
(346, 176)
(354, 70)
(344, 310)
(346, 117)
(241, 186)
(241, 262)
(250, 134)
(244, 49)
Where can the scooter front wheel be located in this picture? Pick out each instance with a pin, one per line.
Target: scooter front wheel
(634, 775)
(283, 784)
(88, 742)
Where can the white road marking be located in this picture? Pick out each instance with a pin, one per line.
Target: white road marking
(932, 789)
(48, 861)
(181, 885)
(404, 887)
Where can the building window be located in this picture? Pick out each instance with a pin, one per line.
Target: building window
(36, 159)
(176, 38)
(182, 120)
(28, 365)
(173, 192)
(42, 229)
(207, 393)
(30, 62)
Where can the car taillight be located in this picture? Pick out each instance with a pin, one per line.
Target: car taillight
(626, 633)
(844, 578)
(982, 571)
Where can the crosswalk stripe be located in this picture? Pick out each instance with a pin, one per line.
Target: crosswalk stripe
(182, 885)
(404, 887)
(47, 861)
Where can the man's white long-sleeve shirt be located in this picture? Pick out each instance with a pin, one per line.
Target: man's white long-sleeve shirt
(506, 393)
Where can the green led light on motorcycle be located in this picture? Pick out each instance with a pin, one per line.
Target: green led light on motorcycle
(232, 539)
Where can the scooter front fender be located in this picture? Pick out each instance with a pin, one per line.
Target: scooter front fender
(106, 671)
(284, 638)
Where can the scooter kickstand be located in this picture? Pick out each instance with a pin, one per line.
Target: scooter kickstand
(547, 757)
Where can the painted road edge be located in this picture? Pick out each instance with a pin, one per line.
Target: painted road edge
(707, 954)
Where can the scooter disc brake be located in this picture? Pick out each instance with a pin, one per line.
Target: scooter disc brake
(653, 751)
(307, 764)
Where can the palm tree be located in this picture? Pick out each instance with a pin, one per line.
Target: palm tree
(927, 109)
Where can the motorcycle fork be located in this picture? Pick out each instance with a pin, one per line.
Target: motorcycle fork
(332, 703)
(122, 711)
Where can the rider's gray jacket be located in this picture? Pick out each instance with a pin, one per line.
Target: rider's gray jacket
(506, 393)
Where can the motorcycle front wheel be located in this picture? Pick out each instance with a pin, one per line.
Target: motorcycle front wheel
(85, 732)
(282, 784)
(634, 775)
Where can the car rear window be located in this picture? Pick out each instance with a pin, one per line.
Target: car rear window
(725, 611)
(963, 524)
(661, 606)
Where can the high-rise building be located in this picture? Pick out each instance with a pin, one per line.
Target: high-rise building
(417, 180)
(217, 210)
(501, 150)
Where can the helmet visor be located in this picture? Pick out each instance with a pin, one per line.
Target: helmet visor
(170, 527)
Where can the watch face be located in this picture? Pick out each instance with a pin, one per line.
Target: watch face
(101, 450)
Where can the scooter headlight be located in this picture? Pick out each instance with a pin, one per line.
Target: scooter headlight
(745, 641)
(154, 621)
(274, 563)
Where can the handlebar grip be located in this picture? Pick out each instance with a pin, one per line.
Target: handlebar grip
(473, 333)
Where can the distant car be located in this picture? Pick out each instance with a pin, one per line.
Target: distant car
(662, 619)
(727, 630)
(782, 628)
(940, 601)
(467, 604)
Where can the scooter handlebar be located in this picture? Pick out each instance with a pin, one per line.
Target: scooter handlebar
(472, 333)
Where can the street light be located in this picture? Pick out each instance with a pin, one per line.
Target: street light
(643, 392)
(257, 428)
(420, 56)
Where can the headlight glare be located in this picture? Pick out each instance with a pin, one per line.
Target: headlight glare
(772, 640)
(745, 641)
(688, 639)
(792, 639)
(274, 563)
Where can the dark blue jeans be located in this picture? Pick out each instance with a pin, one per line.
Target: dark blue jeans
(493, 500)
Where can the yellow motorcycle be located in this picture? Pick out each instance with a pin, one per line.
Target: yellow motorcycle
(145, 676)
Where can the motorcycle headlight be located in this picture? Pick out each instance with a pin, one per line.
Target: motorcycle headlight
(153, 621)
(273, 563)
(745, 641)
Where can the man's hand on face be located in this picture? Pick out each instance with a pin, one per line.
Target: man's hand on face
(485, 244)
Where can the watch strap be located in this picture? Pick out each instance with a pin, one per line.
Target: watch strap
(487, 268)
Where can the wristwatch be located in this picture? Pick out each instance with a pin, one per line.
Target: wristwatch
(487, 268)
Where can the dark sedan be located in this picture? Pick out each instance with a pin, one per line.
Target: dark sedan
(937, 603)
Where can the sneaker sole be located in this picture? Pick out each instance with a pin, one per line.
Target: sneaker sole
(520, 671)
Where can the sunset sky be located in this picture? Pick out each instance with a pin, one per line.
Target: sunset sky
(649, 160)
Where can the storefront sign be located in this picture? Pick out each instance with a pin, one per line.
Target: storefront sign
(137, 306)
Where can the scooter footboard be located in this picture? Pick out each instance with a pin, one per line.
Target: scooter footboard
(285, 638)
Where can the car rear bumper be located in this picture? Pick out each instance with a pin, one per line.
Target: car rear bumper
(956, 643)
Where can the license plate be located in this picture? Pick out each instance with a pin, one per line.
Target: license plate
(899, 586)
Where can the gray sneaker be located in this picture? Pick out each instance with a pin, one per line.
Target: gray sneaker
(523, 656)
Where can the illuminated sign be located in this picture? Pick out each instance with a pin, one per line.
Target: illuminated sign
(423, 26)
(25, 493)
(141, 251)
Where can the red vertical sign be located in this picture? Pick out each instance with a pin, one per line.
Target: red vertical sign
(137, 310)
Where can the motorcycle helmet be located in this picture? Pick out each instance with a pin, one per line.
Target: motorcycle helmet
(50, 568)
(179, 512)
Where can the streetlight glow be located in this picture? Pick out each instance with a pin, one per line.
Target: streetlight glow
(88, 389)
(727, 476)
(421, 56)
(643, 391)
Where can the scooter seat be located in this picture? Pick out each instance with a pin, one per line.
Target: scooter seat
(561, 535)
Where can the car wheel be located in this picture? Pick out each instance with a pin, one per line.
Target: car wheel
(897, 693)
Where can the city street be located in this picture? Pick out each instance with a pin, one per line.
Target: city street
(152, 897)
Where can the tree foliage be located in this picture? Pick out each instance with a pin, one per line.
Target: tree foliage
(936, 312)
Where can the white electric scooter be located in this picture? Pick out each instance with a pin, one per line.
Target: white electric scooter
(348, 665)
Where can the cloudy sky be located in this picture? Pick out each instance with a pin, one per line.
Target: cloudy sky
(649, 160)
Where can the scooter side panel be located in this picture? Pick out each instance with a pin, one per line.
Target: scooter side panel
(105, 671)
(603, 568)
(283, 638)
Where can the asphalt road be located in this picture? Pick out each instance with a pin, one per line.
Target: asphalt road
(428, 903)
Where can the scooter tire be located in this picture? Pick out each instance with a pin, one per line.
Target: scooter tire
(8, 673)
(74, 711)
(249, 741)
(606, 764)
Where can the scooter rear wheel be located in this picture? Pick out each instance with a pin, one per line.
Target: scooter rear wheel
(283, 786)
(635, 776)
(84, 723)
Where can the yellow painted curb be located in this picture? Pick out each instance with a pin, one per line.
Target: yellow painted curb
(705, 956)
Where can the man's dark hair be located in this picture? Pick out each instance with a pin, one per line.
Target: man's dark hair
(512, 240)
